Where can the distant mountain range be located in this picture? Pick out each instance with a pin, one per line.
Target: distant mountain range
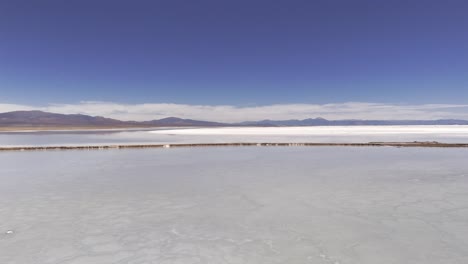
(45, 119)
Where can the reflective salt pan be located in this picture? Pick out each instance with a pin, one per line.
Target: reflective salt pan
(363, 134)
(321, 130)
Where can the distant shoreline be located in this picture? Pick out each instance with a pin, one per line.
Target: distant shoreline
(104, 128)
(67, 128)
(430, 144)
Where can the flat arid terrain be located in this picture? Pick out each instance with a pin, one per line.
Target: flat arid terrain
(310, 195)
(235, 205)
(57, 128)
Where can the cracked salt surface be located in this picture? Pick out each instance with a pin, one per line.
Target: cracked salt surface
(235, 205)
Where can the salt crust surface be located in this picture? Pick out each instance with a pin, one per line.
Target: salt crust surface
(235, 205)
(319, 130)
(330, 134)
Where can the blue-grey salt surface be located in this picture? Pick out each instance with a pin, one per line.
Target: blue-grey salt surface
(235, 205)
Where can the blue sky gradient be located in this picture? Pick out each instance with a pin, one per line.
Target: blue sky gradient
(240, 53)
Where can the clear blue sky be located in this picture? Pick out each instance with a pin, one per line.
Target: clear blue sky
(234, 52)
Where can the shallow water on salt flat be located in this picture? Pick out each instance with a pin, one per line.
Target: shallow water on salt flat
(235, 205)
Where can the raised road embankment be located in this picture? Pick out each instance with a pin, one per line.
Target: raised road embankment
(132, 146)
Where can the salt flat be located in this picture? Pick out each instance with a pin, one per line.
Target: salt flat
(323, 134)
(330, 134)
(319, 130)
(235, 205)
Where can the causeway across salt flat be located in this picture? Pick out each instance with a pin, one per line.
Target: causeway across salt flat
(429, 144)
(233, 136)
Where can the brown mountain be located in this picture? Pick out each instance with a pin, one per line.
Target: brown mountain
(39, 118)
(45, 119)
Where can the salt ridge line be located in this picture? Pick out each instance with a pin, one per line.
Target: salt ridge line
(431, 144)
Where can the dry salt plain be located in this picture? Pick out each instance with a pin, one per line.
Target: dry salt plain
(330, 205)
(330, 134)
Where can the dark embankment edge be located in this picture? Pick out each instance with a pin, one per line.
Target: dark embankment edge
(370, 144)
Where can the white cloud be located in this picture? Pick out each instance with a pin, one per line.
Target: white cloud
(228, 113)
(13, 107)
